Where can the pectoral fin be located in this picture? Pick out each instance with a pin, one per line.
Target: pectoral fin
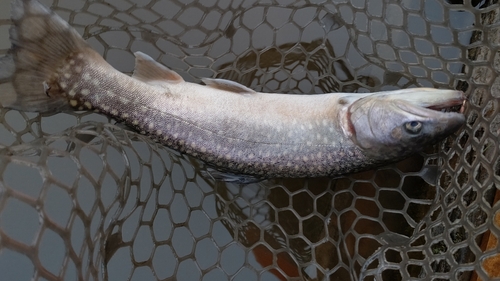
(227, 85)
(152, 72)
(228, 176)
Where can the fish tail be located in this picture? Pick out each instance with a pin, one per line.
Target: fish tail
(42, 42)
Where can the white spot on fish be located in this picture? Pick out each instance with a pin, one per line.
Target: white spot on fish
(73, 103)
(228, 156)
(86, 76)
(159, 132)
(63, 85)
(114, 112)
(78, 69)
(151, 126)
(95, 82)
(88, 105)
(135, 122)
(105, 107)
(67, 75)
(80, 56)
(305, 158)
(251, 156)
(72, 62)
(85, 92)
(71, 93)
(125, 115)
(176, 135)
(203, 149)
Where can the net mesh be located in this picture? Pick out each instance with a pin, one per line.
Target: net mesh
(82, 198)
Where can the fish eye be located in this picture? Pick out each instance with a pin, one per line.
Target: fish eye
(413, 127)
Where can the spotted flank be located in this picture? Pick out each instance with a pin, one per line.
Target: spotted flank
(50, 68)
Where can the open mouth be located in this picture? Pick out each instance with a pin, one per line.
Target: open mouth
(444, 100)
(451, 105)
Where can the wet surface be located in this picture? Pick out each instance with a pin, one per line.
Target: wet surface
(100, 202)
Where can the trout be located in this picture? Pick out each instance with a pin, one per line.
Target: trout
(50, 68)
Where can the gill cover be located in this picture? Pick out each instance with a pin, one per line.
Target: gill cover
(389, 127)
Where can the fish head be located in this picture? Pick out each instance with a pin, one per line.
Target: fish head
(397, 123)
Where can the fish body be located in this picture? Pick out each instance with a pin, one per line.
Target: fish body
(222, 123)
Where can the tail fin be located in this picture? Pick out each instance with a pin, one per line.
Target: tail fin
(41, 42)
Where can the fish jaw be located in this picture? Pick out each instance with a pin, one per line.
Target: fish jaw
(427, 97)
(396, 124)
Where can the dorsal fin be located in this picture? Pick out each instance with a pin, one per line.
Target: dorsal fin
(150, 71)
(227, 85)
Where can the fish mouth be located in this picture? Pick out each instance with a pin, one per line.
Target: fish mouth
(454, 105)
(432, 99)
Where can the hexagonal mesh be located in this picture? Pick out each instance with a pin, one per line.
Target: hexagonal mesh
(84, 199)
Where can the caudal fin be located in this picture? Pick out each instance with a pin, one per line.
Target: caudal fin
(41, 43)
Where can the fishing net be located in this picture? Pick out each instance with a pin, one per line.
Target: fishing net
(83, 198)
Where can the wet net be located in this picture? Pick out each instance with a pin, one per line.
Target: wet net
(82, 198)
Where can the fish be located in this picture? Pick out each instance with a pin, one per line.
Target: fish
(51, 68)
